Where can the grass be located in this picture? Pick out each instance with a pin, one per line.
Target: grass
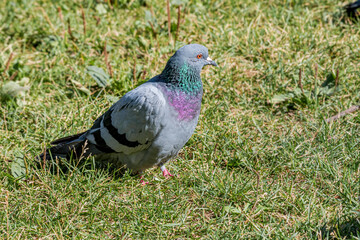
(251, 170)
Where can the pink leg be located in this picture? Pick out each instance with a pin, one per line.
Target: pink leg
(142, 181)
(165, 172)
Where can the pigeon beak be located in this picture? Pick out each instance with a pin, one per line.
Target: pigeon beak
(211, 62)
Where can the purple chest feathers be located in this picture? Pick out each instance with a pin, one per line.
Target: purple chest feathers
(187, 106)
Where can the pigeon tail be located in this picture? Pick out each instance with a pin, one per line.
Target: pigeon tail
(67, 139)
(66, 147)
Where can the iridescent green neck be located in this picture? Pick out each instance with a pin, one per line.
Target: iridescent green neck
(184, 78)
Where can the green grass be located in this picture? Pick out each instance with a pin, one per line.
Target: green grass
(251, 170)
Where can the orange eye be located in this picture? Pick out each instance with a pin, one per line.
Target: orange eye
(199, 56)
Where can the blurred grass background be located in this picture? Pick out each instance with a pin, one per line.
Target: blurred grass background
(253, 169)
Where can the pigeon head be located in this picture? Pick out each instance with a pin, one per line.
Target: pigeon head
(183, 68)
(195, 55)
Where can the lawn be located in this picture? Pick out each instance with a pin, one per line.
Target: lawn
(262, 163)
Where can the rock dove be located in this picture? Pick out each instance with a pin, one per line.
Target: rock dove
(150, 124)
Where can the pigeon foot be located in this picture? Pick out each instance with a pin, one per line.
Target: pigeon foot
(165, 172)
(142, 181)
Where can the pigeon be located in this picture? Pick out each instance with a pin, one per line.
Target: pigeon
(351, 9)
(150, 124)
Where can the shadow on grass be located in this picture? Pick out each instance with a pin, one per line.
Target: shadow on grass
(66, 166)
(342, 229)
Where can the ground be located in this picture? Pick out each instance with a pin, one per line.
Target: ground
(256, 167)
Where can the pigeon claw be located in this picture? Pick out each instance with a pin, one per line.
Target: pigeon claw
(142, 181)
(165, 172)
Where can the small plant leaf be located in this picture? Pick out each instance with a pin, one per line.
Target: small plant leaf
(111, 98)
(329, 82)
(148, 16)
(178, 2)
(100, 8)
(231, 209)
(281, 98)
(327, 88)
(13, 89)
(18, 169)
(172, 224)
(99, 75)
(81, 87)
(326, 91)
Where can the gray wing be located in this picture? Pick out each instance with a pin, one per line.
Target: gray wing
(132, 123)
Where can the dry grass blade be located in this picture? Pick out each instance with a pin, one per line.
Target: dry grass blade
(7, 65)
(7, 214)
(169, 17)
(178, 23)
(155, 34)
(107, 61)
(337, 78)
(60, 15)
(343, 113)
(69, 29)
(300, 82)
(97, 20)
(47, 19)
(13, 76)
(134, 70)
(84, 21)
